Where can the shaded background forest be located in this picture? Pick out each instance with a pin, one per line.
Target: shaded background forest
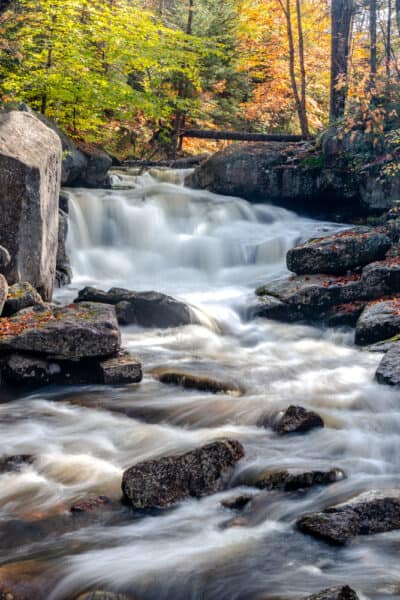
(130, 74)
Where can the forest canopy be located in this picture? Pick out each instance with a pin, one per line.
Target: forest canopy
(132, 74)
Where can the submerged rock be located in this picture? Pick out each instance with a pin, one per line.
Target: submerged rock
(16, 462)
(290, 480)
(237, 503)
(146, 309)
(339, 253)
(90, 505)
(297, 419)
(368, 514)
(102, 595)
(69, 333)
(25, 580)
(21, 295)
(30, 175)
(339, 593)
(164, 481)
(388, 371)
(379, 321)
(198, 381)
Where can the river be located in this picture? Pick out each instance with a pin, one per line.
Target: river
(149, 232)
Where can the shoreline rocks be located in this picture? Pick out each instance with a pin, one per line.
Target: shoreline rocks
(162, 482)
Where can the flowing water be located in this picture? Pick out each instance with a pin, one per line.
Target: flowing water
(149, 232)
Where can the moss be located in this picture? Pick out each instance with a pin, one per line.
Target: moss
(264, 291)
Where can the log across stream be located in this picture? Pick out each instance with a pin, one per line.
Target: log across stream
(149, 232)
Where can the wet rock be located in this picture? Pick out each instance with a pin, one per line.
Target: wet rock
(26, 580)
(379, 321)
(339, 253)
(383, 276)
(339, 593)
(146, 309)
(297, 419)
(269, 307)
(30, 174)
(63, 265)
(343, 315)
(16, 462)
(237, 503)
(21, 295)
(313, 294)
(163, 482)
(5, 259)
(69, 333)
(3, 292)
(388, 371)
(121, 369)
(198, 381)
(368, 514)
(90, 505)
(294, 479)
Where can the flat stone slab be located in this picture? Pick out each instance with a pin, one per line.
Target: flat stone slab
(339, 253)
(379, 321)
(146, 309)
(163, 482)
(72, 332)
(369, 513)
(388, 371)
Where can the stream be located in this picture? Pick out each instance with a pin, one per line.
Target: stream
(149, 232)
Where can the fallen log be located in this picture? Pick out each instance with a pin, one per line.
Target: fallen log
(242, 136)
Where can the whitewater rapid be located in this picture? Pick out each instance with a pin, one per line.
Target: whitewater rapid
(150, 232)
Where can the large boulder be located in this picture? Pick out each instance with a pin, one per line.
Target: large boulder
(146, 309)
(338, 253)
(369, 513)
(30, 176)
(164, 481)
(380, 320)
(68, 333)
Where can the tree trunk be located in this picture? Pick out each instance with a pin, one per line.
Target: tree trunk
(287, 10)
(398, 14)
(388, 49)
(372, 33)
(303, 76)
(342, 20)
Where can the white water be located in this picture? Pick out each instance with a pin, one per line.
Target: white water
(211, 251)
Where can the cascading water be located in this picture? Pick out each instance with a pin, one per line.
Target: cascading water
(151, 233)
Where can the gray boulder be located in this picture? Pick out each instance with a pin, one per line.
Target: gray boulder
(30, 175)
(383, 276)
(369, 513)
(68, 333)
(388, 371)
(339, 253)
(379, 321)
(339, 593)
(21, 295)
(5, 259)
(3, 292)
(146, 309)
(63, 264)
(163, 482)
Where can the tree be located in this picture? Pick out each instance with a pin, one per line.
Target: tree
(373, 42)
(341, 18)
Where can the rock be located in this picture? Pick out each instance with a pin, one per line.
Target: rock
(5, 259)
(163, 482)
(63, 265)
(379, 321)
(388, 371)
(67, 333)
(3, 292)
(343, 315)
(368, 514)
(28, 371)
(90, 505)
(295, 479)
(15, 463)
(21, 295)
(339, 253)
(121, 369)
(269, 307)
(197, 381)
(383, 276)
(96, 173)
(25, 580)
(237, 503)
(146, 309)
(63, 201)
(297, 419)
(30, 174)
(339, 593)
